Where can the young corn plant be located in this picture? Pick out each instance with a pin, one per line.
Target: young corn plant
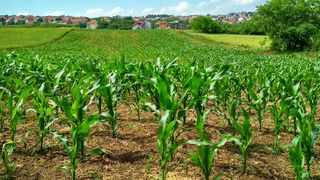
(7, 150)
(245, 131)
(15, 106)
(297, 159)
(165, 145)
(135, 86)
(2, 109)
(280, 105)
(259, 104)
(308, 132)
(44, 111)
(79, 134)
(76, 106)
(111, 93)
(204, 158)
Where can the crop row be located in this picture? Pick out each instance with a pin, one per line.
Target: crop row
(62, 89)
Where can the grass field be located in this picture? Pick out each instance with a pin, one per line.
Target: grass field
(141, 95)
(26, 37)
(247, 41)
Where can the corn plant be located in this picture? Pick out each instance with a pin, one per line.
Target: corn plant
(308, 132)
(2, 108)
(165, 145)
(259, 104)
(205, 156)
(79, 134)
(297, 159)
(44, 111)
(111, 93)
(245, 131)
(134, 86)
(279, 108)
(15, 106)
(75, 107)
(7, 150)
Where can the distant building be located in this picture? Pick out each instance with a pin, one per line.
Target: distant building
(142, 25)
(162, 25)
(93, 24)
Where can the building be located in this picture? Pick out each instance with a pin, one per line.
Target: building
(142, 25)
(162, 25)
(93, 24)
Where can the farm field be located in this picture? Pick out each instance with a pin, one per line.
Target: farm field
(247, 41)
(138, 104)
(26, 37)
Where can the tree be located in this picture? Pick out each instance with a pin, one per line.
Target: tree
(291, 24)
(102, 24)
(82, 24)
(205, 24)
(2, 20)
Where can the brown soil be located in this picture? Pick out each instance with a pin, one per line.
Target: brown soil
(127, 155)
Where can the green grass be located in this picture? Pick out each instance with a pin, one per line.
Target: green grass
(237, 40)
(27, 37)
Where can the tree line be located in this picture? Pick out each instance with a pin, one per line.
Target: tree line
(292, 25)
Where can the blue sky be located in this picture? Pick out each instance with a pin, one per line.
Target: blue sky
(94, 8)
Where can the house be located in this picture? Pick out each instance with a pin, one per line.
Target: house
(162, 25)
(92, 24)
(142, 25)
(19, 20)
(30, 20)
(181, 26)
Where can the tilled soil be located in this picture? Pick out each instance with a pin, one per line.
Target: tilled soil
(127, 155)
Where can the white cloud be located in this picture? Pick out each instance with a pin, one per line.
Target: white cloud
(201, 4)
(54, 13)
(244, 2)
(23, 13)
(183, 6)
(116, 11)
(180, 9)
(148, 10)
(94, 12)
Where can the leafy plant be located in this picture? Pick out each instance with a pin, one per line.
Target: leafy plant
(44, 111)
(297, 159)
(111, 93)
(7, 150)
(165, 145)
(75, 107)
(79, 134)
(15, 106)
(204, 157)
(245, 131)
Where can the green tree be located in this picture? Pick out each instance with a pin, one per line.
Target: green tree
(291, 24)
(82, 24)
(102, 24)
(205, 24)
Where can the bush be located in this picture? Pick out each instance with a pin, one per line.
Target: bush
(205, 24)
(291, 25)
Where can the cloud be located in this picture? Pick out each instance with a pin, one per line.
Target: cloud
(54, 13)
(116, 11)
(23, 13)
(244, 2)
(180, 9)
(201, 4)
(148, 11)
(97, 12)
(94, 12)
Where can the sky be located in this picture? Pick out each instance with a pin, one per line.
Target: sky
(96, 8)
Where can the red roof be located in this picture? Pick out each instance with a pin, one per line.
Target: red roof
(92, 22)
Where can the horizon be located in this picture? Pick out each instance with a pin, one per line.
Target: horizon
(99, 8)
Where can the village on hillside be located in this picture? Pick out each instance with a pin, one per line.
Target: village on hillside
(146, 22)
